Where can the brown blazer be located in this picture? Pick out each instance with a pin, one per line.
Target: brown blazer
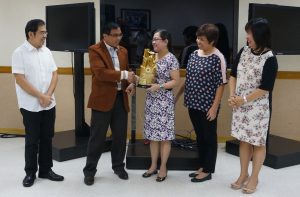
(105, 77)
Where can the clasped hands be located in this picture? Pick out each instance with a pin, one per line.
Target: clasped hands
(235, 101)
(45, 100)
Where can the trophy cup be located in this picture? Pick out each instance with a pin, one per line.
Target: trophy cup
(148, 69)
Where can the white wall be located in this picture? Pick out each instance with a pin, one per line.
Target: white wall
(286, 62)
(14, 14)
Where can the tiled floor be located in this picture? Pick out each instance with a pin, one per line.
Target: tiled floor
(273, 183)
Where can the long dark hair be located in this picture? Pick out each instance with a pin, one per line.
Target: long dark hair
(164, 34)
(261, 33)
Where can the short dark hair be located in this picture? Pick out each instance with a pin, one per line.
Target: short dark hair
(108, 27)
(261, 32)
(190, 33)
(210, 31)
(33, 26)
(164, 34)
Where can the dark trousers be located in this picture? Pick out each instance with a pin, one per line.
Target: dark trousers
(116, 118)
(206, 133)
(39, 130)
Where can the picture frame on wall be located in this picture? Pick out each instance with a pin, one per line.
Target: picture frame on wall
(137, 18)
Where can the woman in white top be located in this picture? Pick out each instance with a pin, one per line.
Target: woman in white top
(251, 83)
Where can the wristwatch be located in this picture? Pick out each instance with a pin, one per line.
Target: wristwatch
(161, 86)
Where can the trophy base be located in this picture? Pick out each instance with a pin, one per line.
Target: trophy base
(143, 86)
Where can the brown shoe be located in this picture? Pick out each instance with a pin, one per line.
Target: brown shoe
(236, 186)
(248, 190)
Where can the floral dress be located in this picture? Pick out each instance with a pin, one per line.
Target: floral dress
(159, 106)
(250, 122)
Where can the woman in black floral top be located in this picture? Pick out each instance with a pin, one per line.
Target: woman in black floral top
(203, 90)
(251, 83)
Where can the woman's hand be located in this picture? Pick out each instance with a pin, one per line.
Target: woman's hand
(231, 101)
(212, 113)
(154, 87)
(236, 101)
(176, 98)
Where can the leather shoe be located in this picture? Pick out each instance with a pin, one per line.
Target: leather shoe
(51, 176)
(29, 180)
(122, 174)
(192, 175)
(195, 180)
(89, 180)
(148, 174)
(161, 179)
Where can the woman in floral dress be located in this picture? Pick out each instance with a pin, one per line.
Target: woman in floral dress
(159, 106)
(251, 83)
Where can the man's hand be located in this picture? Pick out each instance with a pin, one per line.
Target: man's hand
(137, 79)
(131, 77)
(130, 89)
(45, 100)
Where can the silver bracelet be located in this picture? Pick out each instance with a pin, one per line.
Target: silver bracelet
(245, 99)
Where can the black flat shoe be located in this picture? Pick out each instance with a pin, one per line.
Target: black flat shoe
(192, 175)
(29, 180)
(51, 176)
(147, 174)
(161, 179)
(195, 180)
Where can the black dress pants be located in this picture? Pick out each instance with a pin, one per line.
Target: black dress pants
(39, 130)
(206, 133)
(116, 118)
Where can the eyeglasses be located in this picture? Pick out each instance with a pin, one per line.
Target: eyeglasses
(116, 35)
(44, 33)
(156, 39)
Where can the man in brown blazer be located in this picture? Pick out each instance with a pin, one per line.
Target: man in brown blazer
(111, 82)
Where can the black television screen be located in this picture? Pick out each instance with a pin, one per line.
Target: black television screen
(70, 27)
(284, 25)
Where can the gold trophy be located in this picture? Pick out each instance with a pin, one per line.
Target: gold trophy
(148, 69)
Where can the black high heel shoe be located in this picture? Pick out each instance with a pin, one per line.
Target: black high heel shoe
(147, 174)
(161, 179)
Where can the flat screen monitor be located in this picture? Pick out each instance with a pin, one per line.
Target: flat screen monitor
(284, 24)
(70, 27)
